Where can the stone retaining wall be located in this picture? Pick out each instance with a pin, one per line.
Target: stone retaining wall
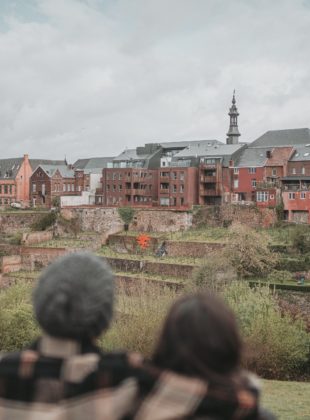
(160, 268)
(32, 238)
(36, 258)
(11, 263)
(12, 222)
(103, 219)
(128, 244)
(223, 215)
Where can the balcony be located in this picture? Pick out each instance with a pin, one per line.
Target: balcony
(292, 187)
(264, 185)
(208, 178)
(165, 178)
(143, 192)
(164, 191)
(206, 192)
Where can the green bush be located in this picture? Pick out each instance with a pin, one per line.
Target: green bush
(276, 346)
(213, 274)
(139, 317)
(17, 324)
(280, 276)
(301, 239)
(249, 253)
(126, 214)
(293, 264)
(45, 221)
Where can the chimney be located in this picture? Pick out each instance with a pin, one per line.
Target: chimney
(26, 157)
(268, 154)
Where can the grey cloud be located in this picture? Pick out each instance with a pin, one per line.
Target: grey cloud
(91, 77)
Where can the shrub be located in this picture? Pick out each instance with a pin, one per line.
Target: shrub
(249, 253)
(139, 317)
(126, 214)
(276, 346)
(301, 239)
(213, 274)
(45, 221)
(280, 276)
(17, 324)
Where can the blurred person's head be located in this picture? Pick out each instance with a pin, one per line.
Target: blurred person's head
(74, 297)
(199, 338)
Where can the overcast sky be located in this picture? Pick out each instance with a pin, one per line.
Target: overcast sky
(86, 78)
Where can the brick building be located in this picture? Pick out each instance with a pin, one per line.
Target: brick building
(296, 186)
(14, 179)
(49, 182)
(213, 182)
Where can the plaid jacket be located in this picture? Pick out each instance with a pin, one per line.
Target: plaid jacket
(62, 379)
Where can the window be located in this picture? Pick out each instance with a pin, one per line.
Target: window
(173, 175)
(114, 176)
(120, 188)
(120, 176)
(174, 188)
(164, 202)
(236, 183)
(181, 188)
(252, 170)
(182, 201)
(114, 188)
(293, 171)
(302, 195)
(236, 171)
(108, 187)
(181, 176)
(253, 183)
(6, 189)
(43, 189)
(291, 196)
(303, 170)
(274, 171)
(262, 196)
(34, 187)
(64, 187)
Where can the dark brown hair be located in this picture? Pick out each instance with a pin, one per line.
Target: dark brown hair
(200, 338)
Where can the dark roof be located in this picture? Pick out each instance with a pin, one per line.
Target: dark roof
(186, 143)
(9, 167)
(257, 156)
(302, 153)
(64, 170)
(92, 165)
(288, 137)
(34, 163)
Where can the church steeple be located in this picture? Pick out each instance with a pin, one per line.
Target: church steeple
(233, 132)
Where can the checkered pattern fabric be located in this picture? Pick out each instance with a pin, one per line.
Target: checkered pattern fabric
(63, 379)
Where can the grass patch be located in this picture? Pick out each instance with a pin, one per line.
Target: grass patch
(108, 252)
(287, 400)
(150, 276)
(64, 243)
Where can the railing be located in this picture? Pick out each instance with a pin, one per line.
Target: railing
(208, 192)
(206, 178)
(164, 178)
(143, 192)
(164, 191)
(266, 185)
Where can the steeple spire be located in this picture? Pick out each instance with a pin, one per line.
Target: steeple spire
(233, 132)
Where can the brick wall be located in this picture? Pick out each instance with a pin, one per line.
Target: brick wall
(11, 263)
